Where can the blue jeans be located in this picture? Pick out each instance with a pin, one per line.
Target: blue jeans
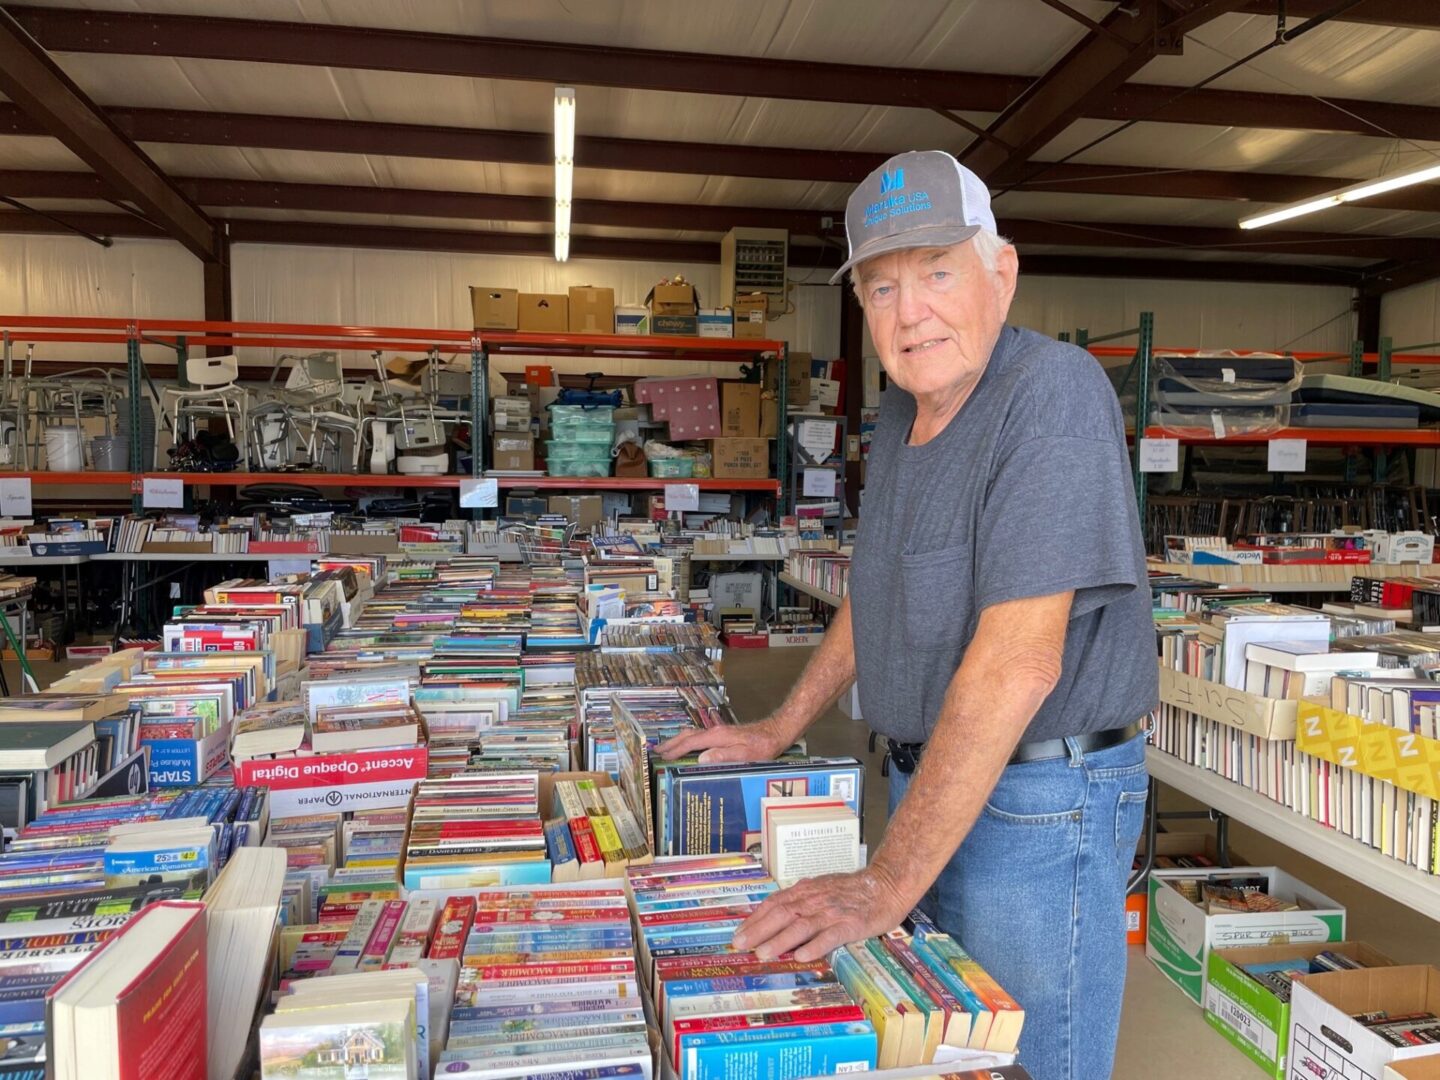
(1036, 893)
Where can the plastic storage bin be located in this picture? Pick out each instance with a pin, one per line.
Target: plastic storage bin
(577, 458)
(681, 468)
(575, 423)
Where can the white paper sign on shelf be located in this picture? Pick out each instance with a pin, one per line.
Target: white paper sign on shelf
(1159, 455)
(1287, 455)
(817, 438)
(682, 497)
(15, 497)
(162, 493)
(820, 483)
(482, 494)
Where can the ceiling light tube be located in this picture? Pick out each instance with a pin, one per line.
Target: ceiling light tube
(1285, 213)
(1365, 189)
(564, 168)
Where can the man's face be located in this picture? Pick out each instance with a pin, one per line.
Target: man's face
(935, 313)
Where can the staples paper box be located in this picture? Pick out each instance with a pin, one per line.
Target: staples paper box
(1181, 935)
(495, 309)
(187, 762)
(335, 783)
(1326, 1044)
(544, 313)
(716, 323)
(1249, 1014)
(632, 320)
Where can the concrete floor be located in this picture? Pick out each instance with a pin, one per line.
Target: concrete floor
(1162, 1033)
(1160, 1029)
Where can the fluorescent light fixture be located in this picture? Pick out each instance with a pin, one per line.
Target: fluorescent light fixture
(1365, 189)
(564, 168)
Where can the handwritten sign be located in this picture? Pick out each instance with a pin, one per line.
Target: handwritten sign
(1159, 455)
(1267, 717)
(819, 483)
(163, 493)
(682, 497)
(1287, 455)
(479, 494)
(15, 497)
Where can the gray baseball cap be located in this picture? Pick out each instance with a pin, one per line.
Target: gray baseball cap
(924, 198)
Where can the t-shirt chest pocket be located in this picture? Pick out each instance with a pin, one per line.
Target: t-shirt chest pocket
(938, 591)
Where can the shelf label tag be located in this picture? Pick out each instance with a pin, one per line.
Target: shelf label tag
(820, 483)
(1159, 455)
(1287, 455)
(15, 497)
(163, 493)
(479, 494)
(682, 497)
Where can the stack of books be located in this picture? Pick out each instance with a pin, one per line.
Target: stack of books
(468, 831)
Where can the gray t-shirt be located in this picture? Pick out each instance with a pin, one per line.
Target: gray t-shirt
(1026, 492)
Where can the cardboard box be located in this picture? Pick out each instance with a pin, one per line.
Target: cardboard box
(674, 325)
(1249, 1015)
(750, 312)
(495, 309)
(1180, 935)
(632, 320)
(525, 506)
(673, 300)
(549, 810)
(826, 394)
(740, 459)
(539, 375)
(187, 762)
(367, 543)
(797, 380)
(511, 413)
(784, 639)
(1265, 717)
(299, 785)
(585, 510)
(1423, 1068)
(592, 310)
(1326, 1044)
(716, 323)
(1169, 844)
(769, 416)
(513, 450)
(740, 410)
(544, 313)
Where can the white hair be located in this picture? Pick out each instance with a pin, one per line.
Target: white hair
(988, 245)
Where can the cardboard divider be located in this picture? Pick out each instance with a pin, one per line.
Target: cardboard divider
(1268, 718)
(1403, 758)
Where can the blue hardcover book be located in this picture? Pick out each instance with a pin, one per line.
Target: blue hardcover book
(559, 844)
(791, 1053)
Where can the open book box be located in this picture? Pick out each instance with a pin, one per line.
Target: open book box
(1326, 1040)
(1248, 1014)
(1181, 934)
(1172, 845)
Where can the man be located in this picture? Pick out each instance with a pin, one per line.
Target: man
(998, 625)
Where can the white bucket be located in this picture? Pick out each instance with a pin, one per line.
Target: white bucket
(63, 449)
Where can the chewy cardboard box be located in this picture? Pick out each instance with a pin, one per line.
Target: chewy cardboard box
(1180, 934)
(740, 459)
(585, 510)
(544, 313)
(592, 310)
(495, 309)
(673, 300)
(740, 410)
(1248, 1014)
(513, 450)
(1326, 1044)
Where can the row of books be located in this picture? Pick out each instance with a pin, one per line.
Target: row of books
(828, 571)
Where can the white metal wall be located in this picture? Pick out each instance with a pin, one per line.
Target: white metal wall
(1412, 316)
(71, 276)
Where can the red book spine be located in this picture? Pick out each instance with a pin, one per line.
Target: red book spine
(586, 846)
(825, 1014)
(377, 949)
(454, 928)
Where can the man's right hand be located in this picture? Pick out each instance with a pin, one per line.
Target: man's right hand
(760, 741)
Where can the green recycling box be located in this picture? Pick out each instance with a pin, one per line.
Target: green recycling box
(1181, 935)
(1248, 1014)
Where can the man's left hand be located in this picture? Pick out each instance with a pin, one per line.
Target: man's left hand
(814, 917)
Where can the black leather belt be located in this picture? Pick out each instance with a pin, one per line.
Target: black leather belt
(906, 756)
